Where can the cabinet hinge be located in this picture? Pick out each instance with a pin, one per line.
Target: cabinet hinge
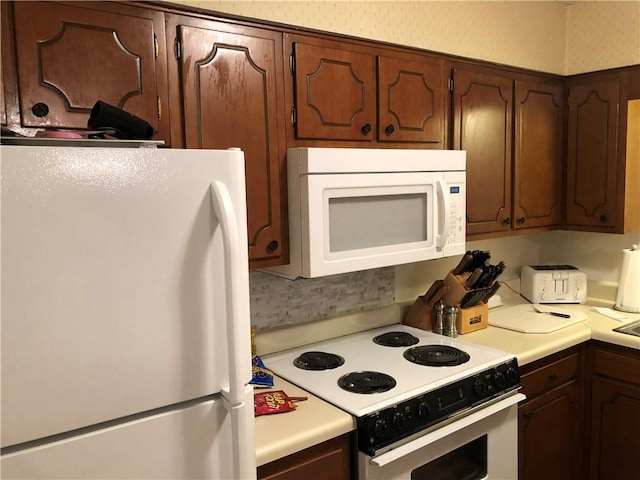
(451, 84)
(292, 64)
(293, 116)
(177, 49)
(159, 105)
(156, 46)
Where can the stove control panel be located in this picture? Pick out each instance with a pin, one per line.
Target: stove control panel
(387, 426)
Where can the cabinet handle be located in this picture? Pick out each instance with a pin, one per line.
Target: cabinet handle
(389, 130)
(603, 218)
(528, 415)
(366, 128)
(553, 377)
(521, 220)
(273, 246)
(507, 221)
(40, 110)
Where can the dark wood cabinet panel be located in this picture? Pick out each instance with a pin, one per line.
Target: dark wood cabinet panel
(71, 55)
(602, 171)
(482, 125)
(592, 153)
(334, 93)
(231, 97)
(551, 421)
(328, 460)
(538, 155)
(550, 435)
(615, 413)
(411, 97)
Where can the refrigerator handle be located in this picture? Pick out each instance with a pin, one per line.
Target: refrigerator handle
(237, 292)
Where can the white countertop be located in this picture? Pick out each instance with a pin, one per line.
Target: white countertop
(315, 421)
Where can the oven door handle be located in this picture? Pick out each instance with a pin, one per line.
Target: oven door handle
(407, 448)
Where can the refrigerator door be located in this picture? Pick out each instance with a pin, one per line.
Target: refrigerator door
(113, 285)
(186, 443)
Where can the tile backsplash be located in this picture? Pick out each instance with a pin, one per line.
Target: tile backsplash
(277, 302)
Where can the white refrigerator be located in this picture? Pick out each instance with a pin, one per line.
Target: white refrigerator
(125, 328)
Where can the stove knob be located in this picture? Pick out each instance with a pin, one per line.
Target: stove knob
(499, 379)
(423, 409)
(512, 375)
(480, 388)
(398, 420)
(380, 428)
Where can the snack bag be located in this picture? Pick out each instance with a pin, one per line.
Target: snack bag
(261, 376)
(277, 401)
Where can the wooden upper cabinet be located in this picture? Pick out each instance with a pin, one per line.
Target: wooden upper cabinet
(482, 114)
(411, 97)
(538, 155)
(369, 96)
(592, 153)
(231, 96)
(71, 55)
(334, 93)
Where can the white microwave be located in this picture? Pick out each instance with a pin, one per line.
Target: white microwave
(354, 209)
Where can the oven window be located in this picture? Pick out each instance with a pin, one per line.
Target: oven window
(377, 221)
(469, 462)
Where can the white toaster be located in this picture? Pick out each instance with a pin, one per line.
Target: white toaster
(553, 284)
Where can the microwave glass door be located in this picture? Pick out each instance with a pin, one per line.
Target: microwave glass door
(361, 221)
(357, 222)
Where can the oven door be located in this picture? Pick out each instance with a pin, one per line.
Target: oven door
(481, 445)
(370, 220)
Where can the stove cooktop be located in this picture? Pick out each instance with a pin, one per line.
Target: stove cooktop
(372, 360)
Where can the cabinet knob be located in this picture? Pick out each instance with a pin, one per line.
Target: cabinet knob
(40, 109)
(603, 218)
(553, 377)
(366, 128)
(389, 130)
(273, 246)
(507, 221)
(528, 415)
(521, 220)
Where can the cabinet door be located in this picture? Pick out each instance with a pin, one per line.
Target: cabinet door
(230, 99)
(70, 56)
(592, 154)
(550, 431)
(411, 101)
(334, 94)
(482, 126)
(615, 426)
(537, 175)
(328, 460)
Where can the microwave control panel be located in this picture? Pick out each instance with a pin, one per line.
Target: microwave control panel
(457, 212)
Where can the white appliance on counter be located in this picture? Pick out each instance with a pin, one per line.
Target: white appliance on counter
(426, 406)
(553, 284)
(125, 314)
(353, 209)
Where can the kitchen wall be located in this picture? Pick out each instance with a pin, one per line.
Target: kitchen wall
(554, 36)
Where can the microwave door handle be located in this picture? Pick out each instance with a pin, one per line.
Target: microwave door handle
(442, 237)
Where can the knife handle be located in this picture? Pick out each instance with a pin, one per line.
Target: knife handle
(561, 315)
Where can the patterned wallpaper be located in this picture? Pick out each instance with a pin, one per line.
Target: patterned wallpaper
(554, 36)
(526, 34)
(602, 35)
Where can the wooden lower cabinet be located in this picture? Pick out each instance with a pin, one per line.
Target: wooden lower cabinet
(615, 413)
(327, 460)
(551, 420)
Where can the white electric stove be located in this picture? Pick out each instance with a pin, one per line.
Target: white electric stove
(398, 380)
